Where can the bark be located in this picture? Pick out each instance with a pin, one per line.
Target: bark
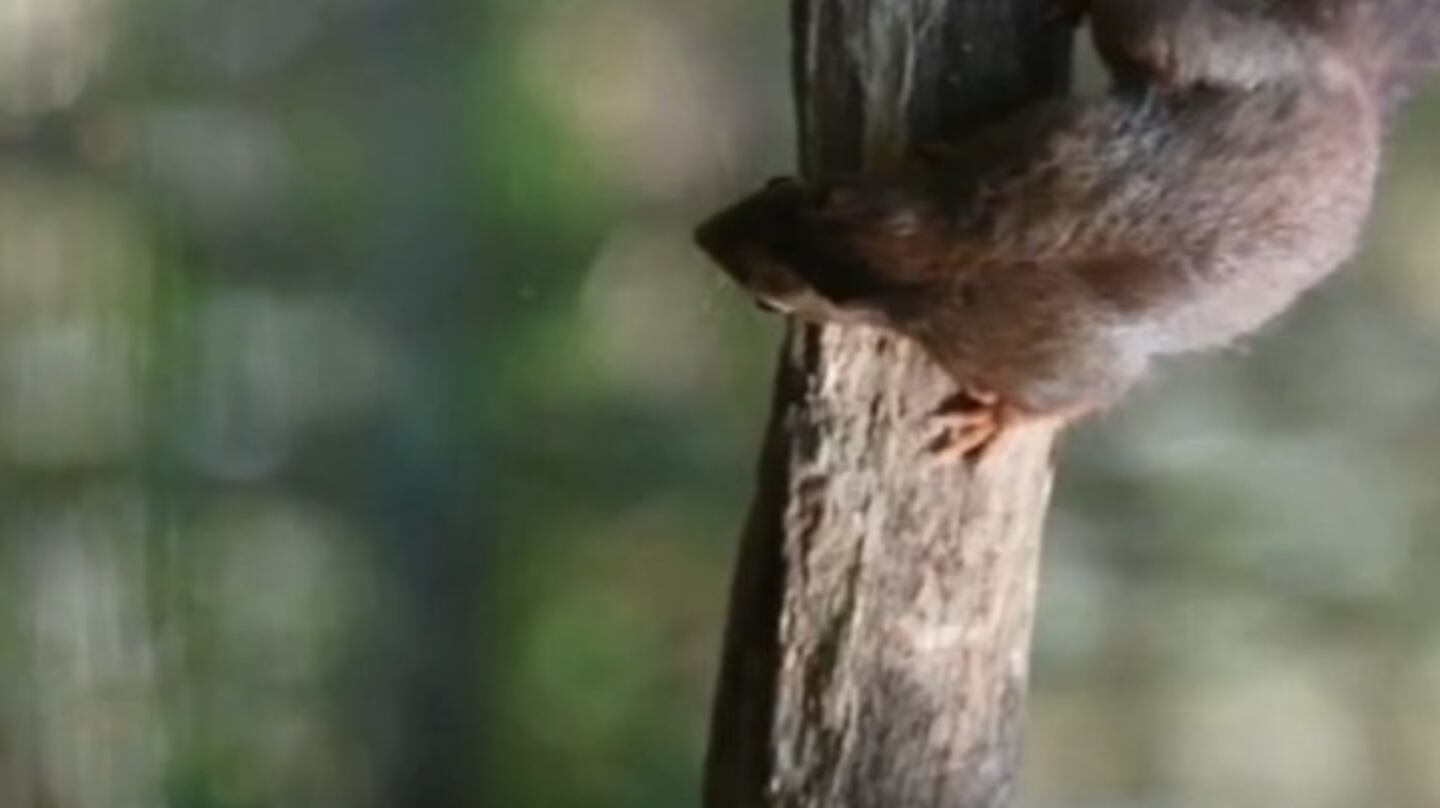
(880, 624)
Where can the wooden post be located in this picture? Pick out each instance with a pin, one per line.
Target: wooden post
(878, 645)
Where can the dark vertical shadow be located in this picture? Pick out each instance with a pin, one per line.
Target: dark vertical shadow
(425, 494)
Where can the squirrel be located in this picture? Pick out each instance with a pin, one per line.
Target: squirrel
(1045, 261)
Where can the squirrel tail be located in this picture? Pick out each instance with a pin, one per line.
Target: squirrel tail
(1395, 42)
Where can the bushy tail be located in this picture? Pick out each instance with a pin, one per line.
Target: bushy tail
(1396, 42)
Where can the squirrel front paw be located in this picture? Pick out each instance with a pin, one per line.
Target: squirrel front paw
(970, 422)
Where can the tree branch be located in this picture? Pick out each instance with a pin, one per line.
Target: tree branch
(877, 651)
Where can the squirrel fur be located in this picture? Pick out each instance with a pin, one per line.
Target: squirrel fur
(1045, 261)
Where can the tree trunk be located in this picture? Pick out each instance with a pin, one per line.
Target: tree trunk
(880, 623)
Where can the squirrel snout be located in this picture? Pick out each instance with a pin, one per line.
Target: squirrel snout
(754, 241)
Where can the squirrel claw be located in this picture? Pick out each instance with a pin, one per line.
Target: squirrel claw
(971, 420)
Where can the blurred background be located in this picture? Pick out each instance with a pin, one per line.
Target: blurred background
(370, 435)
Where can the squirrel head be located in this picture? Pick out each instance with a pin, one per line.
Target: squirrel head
(765, 242)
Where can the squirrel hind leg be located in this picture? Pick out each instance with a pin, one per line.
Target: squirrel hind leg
(1029, 377)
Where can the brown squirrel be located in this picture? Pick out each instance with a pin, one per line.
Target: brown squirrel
(1045, 261)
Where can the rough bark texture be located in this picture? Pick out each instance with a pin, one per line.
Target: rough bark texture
(880, 623)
